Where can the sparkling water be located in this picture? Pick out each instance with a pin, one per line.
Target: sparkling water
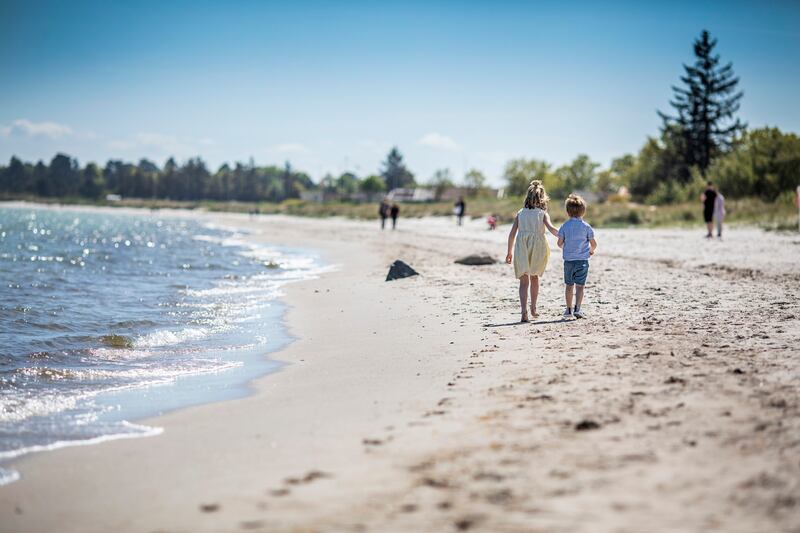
(107, 318)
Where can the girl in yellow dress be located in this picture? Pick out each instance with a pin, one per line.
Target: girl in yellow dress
(531, 251)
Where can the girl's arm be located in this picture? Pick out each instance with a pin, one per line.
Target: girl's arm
(549, 225)
(511, 235)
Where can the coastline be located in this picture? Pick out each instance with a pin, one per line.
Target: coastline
(421, 404)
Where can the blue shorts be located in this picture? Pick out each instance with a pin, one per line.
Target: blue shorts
(575, 272)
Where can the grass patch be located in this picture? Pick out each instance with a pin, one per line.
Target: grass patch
(779, 216)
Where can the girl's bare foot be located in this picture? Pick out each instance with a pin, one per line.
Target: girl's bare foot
(524, 317)
(534, 314)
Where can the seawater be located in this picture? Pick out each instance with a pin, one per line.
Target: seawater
(109, 318)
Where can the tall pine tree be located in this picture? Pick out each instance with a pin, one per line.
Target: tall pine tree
(394, 172)
(705, 107)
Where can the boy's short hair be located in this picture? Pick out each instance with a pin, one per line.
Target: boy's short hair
(576, 206)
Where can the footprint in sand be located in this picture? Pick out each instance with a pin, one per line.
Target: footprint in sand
(209, 507)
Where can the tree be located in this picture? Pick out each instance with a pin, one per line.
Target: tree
(705, 106)
(441, 181)
(63, 177)
(765, 163)
(474, 180)
(660, 164)
(91, 182)
(16, 177)
(372, 185)
(394, 172)
(347, 183)
(520, 172)
(580, 174)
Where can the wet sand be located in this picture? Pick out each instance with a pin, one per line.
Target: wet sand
(422, 404)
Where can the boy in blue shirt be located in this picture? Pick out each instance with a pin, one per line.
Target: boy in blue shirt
(576, 239)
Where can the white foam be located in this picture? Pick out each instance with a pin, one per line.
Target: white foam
(137, 431)
(167, 337)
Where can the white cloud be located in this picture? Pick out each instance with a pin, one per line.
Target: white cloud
(23, 127)
(438, 141)
(290, 148)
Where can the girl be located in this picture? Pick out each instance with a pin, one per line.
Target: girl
(531, 251)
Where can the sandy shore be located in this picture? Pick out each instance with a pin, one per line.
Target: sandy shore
(423, 405)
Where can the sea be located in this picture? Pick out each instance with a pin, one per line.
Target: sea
(109, 318)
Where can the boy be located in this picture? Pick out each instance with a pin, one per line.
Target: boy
(576, 238)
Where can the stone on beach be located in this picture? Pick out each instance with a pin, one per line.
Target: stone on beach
(477, 259)
(399, 269)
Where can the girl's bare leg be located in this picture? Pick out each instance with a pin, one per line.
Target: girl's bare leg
(534, 294)
(523, 296)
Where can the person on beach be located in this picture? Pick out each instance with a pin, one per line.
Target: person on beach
(531, 251)
(576, 239)
(459, 208)
(719, 212)
(709, 198)
(394, 211)
(383, 212)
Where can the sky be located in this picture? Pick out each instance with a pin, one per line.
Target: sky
(332, 86)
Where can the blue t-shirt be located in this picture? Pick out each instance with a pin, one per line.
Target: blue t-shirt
(576, 234)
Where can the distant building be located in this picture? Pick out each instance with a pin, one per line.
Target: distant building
(454, 193)
(411, 195)
(113, 197)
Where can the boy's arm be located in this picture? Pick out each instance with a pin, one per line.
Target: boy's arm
(592, 246)
(511, 235)
(560, 235)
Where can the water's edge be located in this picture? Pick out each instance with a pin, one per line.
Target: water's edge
(138, 409)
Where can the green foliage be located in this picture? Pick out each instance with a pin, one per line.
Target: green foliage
(519, 173)
(475, 181)
(440, 181)
(764, 163)
(191, 181)
(659, 164)
(580, 174)
(394, 172)
(373, 185)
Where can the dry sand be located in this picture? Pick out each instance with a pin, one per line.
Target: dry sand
(423, 405)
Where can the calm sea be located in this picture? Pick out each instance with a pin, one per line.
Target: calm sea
(108, 318)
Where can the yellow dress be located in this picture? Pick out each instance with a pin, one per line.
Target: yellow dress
(531, 251)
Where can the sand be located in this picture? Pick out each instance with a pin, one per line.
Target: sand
(422, 404)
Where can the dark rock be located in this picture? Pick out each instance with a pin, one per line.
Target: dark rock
(399, 270)
(477, 259)
(585, 425)
(209, 507)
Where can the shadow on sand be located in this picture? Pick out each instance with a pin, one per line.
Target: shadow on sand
(538, 323)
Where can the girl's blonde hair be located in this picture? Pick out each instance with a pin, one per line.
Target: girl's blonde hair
(536, 197)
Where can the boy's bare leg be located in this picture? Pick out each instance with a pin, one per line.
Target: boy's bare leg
(534, 293)
(578, 295)
(523, 293)
(568, 295)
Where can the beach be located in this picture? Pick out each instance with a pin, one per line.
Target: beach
(423, 404)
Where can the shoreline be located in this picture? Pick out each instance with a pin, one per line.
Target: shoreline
(436, 410)
(130, 404)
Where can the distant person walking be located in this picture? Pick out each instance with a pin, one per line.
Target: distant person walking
(709, 199)
(395, 212)
(719, 213)
(383, 212)
(460, 208)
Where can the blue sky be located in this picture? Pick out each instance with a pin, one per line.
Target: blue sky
(331, 86)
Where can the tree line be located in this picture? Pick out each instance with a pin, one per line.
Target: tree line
(702, 140)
